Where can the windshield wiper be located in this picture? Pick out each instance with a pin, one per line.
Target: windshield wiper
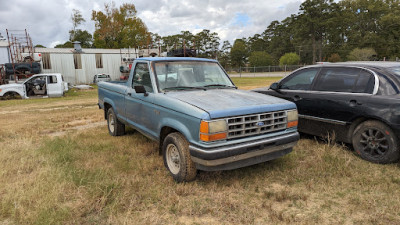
(183, 88)
(219, 85)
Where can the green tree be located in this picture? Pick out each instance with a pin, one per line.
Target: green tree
(207, 44)
(39, 46)
(278, 38)
(77, 20)
(224, 55)
(84, 37)
(312, 24)
(260, 58)
(256, 43)
(238, 53)
(364, 54)
(67, 44)
(119, 27)
(289, 59)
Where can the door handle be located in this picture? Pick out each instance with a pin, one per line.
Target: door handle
(354, 103)
(129, 93)
(296, 98)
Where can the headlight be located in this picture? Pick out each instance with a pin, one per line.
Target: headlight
(213, 130)
(292, 118)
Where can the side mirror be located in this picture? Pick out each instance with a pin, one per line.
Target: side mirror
(274, 86)
(140, 89)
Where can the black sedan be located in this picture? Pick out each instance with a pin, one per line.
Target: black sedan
(354, 102)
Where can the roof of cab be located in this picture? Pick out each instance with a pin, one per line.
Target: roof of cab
(156, 59)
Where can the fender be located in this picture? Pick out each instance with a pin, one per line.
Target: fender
(21, 93)
(177, 125)
(111, 102)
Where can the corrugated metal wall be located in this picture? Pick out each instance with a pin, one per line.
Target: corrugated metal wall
(64, 64)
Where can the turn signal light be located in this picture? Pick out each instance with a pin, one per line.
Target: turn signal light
(213, 130)
(212, 137)
(292, 124)
(203, 127)
(292, 118)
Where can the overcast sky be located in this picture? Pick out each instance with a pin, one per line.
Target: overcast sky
(48, 21)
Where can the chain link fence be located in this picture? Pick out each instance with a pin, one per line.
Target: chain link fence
(263, 69)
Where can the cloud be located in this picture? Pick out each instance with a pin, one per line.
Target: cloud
(48, 21)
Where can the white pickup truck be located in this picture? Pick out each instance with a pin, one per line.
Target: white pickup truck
(41, 85)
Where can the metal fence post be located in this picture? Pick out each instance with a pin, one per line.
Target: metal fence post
(285, 70)
(240, 71)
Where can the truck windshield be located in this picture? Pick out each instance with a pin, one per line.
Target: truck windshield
(186, 75)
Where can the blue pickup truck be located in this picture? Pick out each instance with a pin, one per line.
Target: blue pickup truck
(199, 117)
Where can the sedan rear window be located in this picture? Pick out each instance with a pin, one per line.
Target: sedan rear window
(353, 80)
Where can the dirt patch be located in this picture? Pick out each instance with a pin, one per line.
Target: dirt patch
(77, 126)
(34, 109)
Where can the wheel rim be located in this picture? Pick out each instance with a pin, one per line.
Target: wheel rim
(173, 158)
(111, 123)
(374, 142)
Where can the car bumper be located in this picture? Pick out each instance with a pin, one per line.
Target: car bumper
(244, 154)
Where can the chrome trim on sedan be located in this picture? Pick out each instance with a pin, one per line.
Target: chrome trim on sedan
(323, 120)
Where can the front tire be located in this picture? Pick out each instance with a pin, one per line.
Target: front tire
(177, 158)
(115, 127)
(376, 142)
(11, 95)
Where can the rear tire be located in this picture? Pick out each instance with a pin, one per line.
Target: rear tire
(376, 142)
(177, 158)
(115, 127)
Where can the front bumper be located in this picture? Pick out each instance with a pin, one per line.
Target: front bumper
(243, 154)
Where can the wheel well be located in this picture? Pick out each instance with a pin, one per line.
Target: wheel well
(106, 107)
(164, 132)
(12, 92)
(357, 122)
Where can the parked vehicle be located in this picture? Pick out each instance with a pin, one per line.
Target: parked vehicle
(44, 85)
(101, 77)
(355, 102)
(192, 108)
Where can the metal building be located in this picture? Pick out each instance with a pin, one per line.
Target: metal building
(78, 66)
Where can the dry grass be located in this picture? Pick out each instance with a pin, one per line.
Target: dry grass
(85, 176)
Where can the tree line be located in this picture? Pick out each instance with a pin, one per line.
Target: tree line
(322, 30)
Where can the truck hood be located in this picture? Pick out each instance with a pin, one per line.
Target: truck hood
(231, 102)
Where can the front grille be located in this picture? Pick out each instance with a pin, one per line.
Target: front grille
(250, 125)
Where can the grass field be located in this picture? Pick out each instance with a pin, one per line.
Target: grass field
(58, 165)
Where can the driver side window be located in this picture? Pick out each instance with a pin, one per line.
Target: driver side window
(141, 77)
(301, 80)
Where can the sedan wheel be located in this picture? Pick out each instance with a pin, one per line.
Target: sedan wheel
(375, 142)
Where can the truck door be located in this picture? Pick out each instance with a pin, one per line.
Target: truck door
(54, 88)
(139, 106)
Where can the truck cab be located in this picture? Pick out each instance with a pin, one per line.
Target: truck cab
(40, 85)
